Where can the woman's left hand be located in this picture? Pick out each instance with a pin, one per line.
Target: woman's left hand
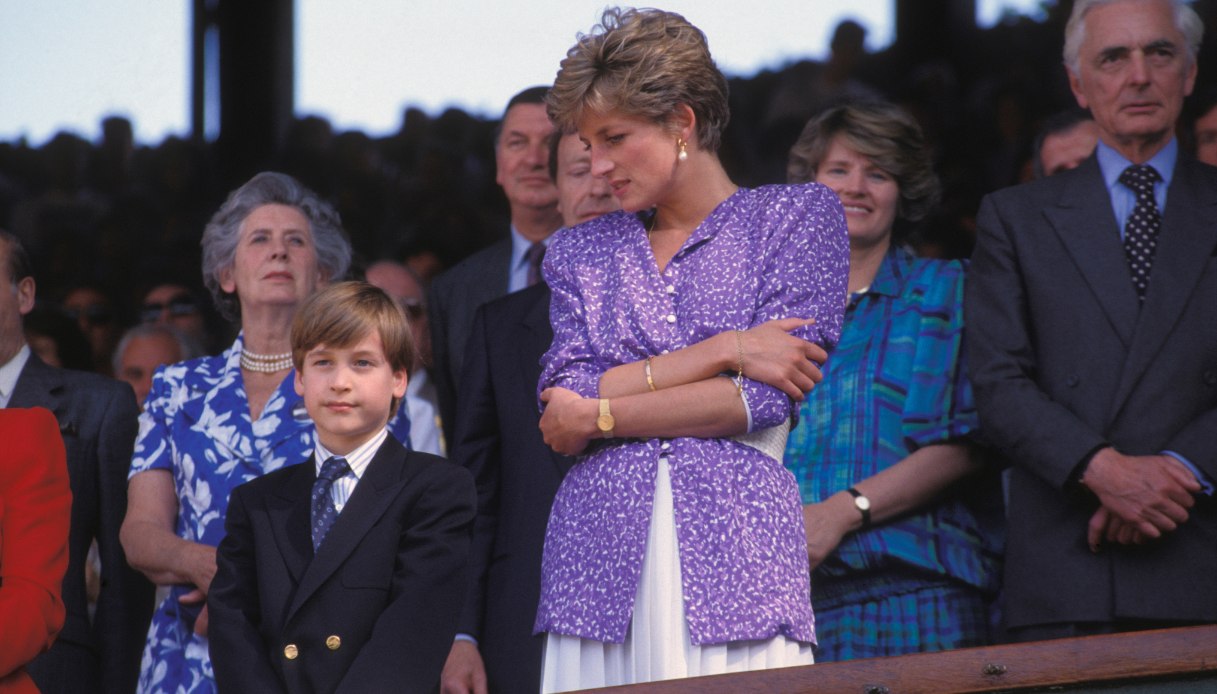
(569, 420)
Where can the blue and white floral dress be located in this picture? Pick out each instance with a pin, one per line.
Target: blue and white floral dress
(196, 424)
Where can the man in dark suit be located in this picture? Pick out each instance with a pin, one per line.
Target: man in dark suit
(345, 573)
(521, 158)
(499, 440)
(98, 419)
(1092, 329)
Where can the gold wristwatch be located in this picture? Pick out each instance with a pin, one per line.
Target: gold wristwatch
(605, 421)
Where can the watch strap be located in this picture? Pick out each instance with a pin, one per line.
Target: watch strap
(862, 504)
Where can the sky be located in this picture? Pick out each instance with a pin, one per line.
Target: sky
(66, 64)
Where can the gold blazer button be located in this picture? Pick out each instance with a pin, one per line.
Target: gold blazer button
(333, 643)
(291, 652)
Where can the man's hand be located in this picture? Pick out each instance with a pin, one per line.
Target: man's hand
(1150, 494)
(1106, 527)
(464, 672)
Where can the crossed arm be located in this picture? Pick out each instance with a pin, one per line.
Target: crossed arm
(690, 397)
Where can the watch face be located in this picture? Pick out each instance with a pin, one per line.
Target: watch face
(605, 422)
(861, 502)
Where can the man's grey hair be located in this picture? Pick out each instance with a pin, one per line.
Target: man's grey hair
(1186, 21)
(188, 347)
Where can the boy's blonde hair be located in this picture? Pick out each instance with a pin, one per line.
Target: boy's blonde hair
(342, 314)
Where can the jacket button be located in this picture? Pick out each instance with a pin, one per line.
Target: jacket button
(1210, 378)
(1072, 381)
(291, 652)
(333, 643)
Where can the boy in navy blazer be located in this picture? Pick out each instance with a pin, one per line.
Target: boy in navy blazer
(346, 573)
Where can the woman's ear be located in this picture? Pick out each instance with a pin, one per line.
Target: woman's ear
(684, 121)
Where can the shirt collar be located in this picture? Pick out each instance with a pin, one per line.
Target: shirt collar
(10, 372)
(1112, 163)
(889, 279)
(358, 459)
(520, 246)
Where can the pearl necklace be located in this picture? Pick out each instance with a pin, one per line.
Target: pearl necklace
(265, 363)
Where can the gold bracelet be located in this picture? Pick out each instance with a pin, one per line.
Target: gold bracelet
(739, 372)
(647, 370)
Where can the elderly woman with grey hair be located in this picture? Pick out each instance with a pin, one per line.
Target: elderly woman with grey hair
(213, 423)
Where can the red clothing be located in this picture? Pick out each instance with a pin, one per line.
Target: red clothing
(35, 507)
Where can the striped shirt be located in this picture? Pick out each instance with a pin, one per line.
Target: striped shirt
(358, 459)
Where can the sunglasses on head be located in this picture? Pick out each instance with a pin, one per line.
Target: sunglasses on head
(414, 308)
(177, 306)
(95, 314)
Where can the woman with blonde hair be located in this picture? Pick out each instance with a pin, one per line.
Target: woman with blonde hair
(685, 328)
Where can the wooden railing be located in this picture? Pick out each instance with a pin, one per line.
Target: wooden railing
(1170, 660)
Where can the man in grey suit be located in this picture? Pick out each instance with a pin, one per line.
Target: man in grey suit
(521, 159)
(98, 419)
(1092, 332)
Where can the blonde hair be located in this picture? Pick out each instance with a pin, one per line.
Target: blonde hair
(644, 63)
(343, 314)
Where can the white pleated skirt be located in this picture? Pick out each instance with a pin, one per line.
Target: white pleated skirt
(657, 644)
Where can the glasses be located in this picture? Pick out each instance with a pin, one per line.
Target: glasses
(94, 314)
(178, 306)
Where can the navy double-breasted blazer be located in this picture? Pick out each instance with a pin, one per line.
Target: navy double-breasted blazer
(374, 610)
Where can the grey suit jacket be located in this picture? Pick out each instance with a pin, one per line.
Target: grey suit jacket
(454, 297)
(1064, 361)
(98, 418)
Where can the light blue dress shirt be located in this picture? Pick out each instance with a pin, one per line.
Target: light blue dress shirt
(1111, 165)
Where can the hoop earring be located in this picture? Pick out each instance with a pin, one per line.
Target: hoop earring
(683, 154)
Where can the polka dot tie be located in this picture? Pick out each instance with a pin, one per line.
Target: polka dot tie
(1141, 230)
(323, 506)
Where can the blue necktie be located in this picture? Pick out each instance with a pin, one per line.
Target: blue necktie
(324, 513)
(1141, 230)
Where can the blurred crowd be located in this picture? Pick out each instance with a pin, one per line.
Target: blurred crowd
(107, 221)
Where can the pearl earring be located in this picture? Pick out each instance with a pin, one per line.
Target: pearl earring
(683, 154)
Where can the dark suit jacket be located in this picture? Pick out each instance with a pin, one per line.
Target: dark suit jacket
(452, 301)
(387, 581)
(1063, 362)
(98, 419)
(498, 440)
(35, 509)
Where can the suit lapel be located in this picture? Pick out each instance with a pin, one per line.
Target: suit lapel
(1186, 245)
(289, 511)
(1083, 220)
(40, 385)
(537, 335)
(536, 338)
(375, 491)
